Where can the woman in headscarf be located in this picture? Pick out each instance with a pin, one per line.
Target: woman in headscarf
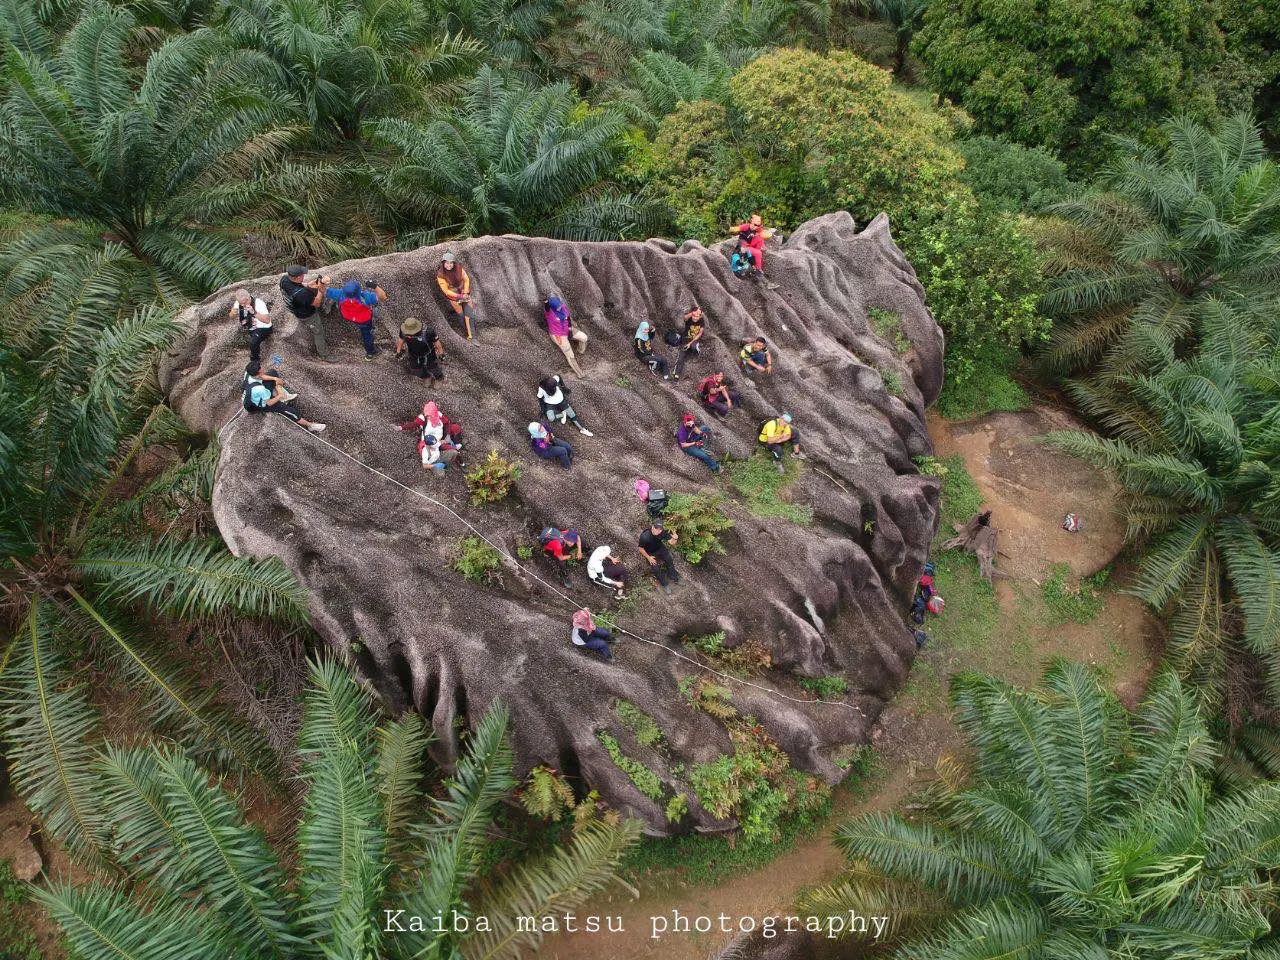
(439, 440)
(547, 447)
(643, 344)
(456, 287)
(553, 398)
(586, 634)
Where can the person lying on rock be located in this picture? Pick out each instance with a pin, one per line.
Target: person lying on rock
(553, 398)
(755, 355)
(424, 349)
(358, 304)
(455, 284)
(654, 543)
(751, 237)
(439, 440)
(643, 346)
(301, 298)
(586, 634)
(252, 315)
(695, 325)
(546, 445)
(692, 438)
(714, 392)
(266, 393)
(605, 569)
(775, 434)
(561, 545)
(562, 331)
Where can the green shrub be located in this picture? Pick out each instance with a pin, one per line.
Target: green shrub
(892, 382)
(546, 794)
(524, 551)
(677, 808)
(762, 487)
(491, 481)
(642, 726)
(826, 688)
(476, 560)
(989, 387)
(16, 939)
(697, 520)
(961, 498)
(709, 697)
(1012, 178)
(1081, 604)
(748, 657)
(645, 780)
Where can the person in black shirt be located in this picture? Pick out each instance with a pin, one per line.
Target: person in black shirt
(690, 340)
(653, 547)
(301, 298)
(424, 348)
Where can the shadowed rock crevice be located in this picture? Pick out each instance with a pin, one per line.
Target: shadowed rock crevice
(376, 558)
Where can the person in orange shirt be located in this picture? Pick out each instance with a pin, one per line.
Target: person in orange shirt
(456, 286)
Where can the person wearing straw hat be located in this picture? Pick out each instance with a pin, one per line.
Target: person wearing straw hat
(424, 349)
(455, 284)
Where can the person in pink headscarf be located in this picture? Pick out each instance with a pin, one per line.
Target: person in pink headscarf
(587, 634)
(439, 440)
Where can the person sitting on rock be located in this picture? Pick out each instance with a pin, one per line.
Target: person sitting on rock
(605, 569)
(424, 349)
(751, 237)
(546, 446)
(358, 304)
(586, 634)
(561, 545)
(553, 398)
(692, 438)
(695, 326)
(715, 394)
(562, 332)
(775, 434)
(755, 355)
(653, 544)
(455, 284)
(266, 393)
(643, 345)
(439, 440)
(252, 315)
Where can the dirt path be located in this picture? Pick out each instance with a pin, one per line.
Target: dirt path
(1012, 634)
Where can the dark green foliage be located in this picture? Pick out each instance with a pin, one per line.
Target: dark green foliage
(697, 519)
(476, 560)
(17, 942)
(1010, 177)
(826, 688)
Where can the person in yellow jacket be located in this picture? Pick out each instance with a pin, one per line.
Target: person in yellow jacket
(776, 434)
(456, 286)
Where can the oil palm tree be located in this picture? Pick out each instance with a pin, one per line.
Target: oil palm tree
(1082, 831)
(1172, 237)
(1197, 452)
(371, 852)
(905, 17)
(511, 158)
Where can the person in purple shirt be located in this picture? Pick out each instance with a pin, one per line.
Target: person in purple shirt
(692, 438)
(547, 446)
(561, 330)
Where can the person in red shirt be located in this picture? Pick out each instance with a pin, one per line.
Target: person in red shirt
(752, 236)
(562, 545)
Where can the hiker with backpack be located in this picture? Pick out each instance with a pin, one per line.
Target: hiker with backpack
(358, 304)
(715, 395)
(455, 284)
(423, 347)
(642, 343)
(692, 438)
(561, 546)
(755, 355)
(254, 318)
(553, 399)
(547, 446)
(439, 439)
(751, 237)
(266, 393)
(653, 544)
(302, 297)
(562, 331)
(586, 634)
(775, 434)
(690, 343)
(605, 570)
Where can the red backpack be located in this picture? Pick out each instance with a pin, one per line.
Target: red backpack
(355, 311)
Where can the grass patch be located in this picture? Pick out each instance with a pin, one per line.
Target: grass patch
(961, 498)
(972, 615)
(642, 726)
(16, 940)
(760, 484)
(826, 688)
(892, 382)
(888, 326)
(1080, 604)
(984, 392)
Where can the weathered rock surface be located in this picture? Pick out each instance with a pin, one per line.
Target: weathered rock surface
(375, 558)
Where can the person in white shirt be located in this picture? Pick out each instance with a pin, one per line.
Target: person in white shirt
(603, 568)
(252, 315)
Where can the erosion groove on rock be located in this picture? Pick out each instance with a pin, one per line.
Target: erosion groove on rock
(375, 559)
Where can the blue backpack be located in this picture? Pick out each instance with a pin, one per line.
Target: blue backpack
(741, 263)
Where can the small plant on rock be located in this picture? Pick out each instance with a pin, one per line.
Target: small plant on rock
(826, 688)
(677, 808)
(888, 326)
(644, 779)
(642, 726)
(748, 657)
(476, 560)
(546, 794)
(491, 481)
(697, 519)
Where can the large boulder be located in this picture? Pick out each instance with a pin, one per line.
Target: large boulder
(826, 598)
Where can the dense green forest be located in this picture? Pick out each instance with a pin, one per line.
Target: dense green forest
(1089, 194)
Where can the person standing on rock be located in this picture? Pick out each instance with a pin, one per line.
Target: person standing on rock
(424, 349)
(604, 569)
(755, 355)
(692, 438)
(553, 398)
(695, 325)
(302, 297)
(562, 332)
(642, 343)
(654, 543)
(775, 434)
(358, 304)
(716, 396)
(585, 633)
(252, 315)
(266, 393)
(546, 446)
(439, 440)
(455, 284)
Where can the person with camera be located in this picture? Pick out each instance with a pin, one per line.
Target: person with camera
(302, 298)
(692, 438)
(252, 315)
(358, 304)
(455, 284)
(424, 349)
